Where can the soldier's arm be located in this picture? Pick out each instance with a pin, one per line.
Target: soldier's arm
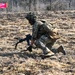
(34, 36)
(35, 31)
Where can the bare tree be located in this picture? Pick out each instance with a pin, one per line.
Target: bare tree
(30, 2)
(28, 5)
(35, 3)
(70, 3)
(50, 4)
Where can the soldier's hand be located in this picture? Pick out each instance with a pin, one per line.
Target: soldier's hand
(29, 48)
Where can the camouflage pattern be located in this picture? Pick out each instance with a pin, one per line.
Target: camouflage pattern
(40, 28)
(41, 33)
(35, 29)
(41, 43)
(44, 34)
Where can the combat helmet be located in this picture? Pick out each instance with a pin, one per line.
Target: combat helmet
(30, 16)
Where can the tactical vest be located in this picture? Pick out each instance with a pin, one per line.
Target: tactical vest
(46, 29)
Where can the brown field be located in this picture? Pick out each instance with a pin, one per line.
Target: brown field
(15, 62)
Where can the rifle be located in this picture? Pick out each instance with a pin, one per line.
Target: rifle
(27, 39)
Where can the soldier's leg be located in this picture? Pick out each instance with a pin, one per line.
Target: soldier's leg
(42, 44)
(50, 46)
(56, 50)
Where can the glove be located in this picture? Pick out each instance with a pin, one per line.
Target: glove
(29, 48)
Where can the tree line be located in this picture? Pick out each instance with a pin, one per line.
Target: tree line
(38, 5)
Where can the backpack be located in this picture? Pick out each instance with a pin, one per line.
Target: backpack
(47, 29)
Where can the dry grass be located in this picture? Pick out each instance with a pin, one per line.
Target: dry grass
(14, 62)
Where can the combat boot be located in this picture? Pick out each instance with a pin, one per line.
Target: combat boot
(61, 49)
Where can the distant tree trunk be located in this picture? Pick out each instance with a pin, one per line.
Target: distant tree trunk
(18, 7)
(12, 5)
(30, 2)
(35, 3)
(69, 3)
(39, 5)
(50, 5)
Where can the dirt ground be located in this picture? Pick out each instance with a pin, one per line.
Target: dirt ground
(15, 62)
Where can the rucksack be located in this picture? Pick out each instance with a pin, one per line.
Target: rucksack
(47, 29)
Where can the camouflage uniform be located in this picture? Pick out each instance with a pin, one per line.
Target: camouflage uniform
(43, 34)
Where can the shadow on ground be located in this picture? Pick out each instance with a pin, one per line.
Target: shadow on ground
(25, 54)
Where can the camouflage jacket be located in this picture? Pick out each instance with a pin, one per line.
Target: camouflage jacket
(42, 28)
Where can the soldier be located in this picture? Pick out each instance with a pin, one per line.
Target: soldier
(43, 35)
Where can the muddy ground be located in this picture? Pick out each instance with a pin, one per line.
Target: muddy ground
(15, 62)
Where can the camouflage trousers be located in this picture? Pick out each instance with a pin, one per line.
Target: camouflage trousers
(45, 44)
